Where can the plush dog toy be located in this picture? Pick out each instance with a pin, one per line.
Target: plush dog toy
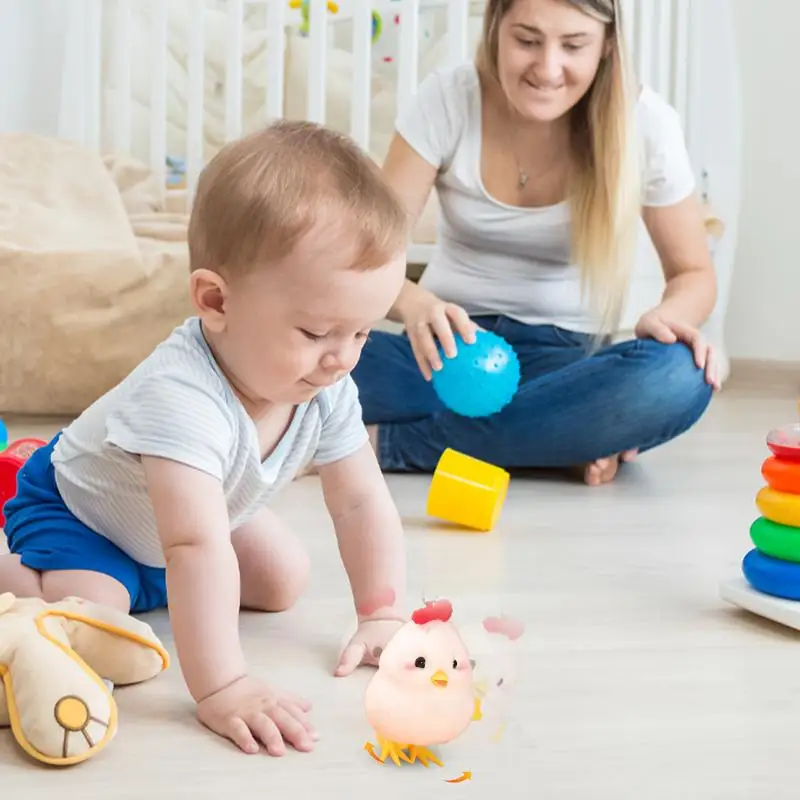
(53, 659)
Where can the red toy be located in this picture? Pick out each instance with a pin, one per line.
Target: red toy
(11, 461)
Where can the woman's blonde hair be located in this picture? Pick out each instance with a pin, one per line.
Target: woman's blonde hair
(605, 183)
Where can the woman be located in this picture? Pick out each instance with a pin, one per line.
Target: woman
(544, 157)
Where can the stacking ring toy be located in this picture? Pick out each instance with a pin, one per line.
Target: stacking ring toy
(782, 476)
(771, 575)
(780, 507)
(778, 541)
(785, 442)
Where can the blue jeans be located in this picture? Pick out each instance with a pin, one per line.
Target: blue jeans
(572, 406)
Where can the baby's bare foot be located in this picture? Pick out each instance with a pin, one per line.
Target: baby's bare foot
(604, 470)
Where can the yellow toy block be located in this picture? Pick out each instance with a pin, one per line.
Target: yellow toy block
(467, 491)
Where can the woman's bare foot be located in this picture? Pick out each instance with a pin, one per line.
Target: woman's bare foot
(604, 470)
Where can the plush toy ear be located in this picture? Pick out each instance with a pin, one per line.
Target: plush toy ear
(115, 645)
(60, 712)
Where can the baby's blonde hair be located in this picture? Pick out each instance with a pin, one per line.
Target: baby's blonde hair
(605, 192)
(260, 195)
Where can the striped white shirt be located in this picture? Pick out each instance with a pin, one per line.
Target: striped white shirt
(177, 404)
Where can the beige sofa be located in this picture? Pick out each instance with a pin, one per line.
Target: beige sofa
(93, 273)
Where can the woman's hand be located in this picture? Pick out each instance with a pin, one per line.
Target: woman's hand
(426, 319)
(656, 325)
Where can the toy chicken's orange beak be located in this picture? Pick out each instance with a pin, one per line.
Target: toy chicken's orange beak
(439, 679)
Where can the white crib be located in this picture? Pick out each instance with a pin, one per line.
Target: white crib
(170, 81)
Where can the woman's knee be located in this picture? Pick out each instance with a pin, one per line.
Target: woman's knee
(671, 384)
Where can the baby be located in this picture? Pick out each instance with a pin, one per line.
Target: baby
(159, 494)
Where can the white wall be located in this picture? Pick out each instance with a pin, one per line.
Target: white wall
(763, 319)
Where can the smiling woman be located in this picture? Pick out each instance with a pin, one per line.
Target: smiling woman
(545, 154)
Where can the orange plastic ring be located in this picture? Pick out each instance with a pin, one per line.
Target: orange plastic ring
(782, 475)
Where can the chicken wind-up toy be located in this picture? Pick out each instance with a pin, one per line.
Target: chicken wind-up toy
(422, 694)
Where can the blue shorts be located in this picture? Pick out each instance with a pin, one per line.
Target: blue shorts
(48, 536)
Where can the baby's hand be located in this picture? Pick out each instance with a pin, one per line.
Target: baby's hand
(248, 712)
(367, 644)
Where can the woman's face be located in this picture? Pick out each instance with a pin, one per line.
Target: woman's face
(547, 56)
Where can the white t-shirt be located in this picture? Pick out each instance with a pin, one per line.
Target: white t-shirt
(494, 258)
(178, 404)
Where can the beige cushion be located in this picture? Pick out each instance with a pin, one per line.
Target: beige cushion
(93, 273)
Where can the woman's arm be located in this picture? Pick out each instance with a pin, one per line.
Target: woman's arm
(412, 178)
(426, 317)
(679, 236)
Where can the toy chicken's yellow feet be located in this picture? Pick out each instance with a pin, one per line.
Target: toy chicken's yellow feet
(477, 714)
(422, 754)
(393, 750)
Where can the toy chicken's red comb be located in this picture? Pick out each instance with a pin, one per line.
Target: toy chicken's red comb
(440, 610)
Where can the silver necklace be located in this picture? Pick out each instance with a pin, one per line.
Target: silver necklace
(523, 176)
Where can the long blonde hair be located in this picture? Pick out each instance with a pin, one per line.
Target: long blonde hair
(605, 181)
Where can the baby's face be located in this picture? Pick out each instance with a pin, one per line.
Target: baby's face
(294, 329)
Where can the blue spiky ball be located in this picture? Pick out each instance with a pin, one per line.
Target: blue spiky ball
(481, 379)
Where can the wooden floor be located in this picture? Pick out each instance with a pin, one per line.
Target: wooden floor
(637, 681)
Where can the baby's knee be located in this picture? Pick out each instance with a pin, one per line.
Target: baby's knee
(281, 588)
(291, 583)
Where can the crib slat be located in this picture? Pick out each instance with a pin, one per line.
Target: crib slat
(233, 70)
(122, 77)
(276, 50)
(693, 129)
(158, 89)
(408, 57)
(645, 41)
(680, 66)
(317, 61)
(662, 47)
(362, 73)
(457, 30)
(94, 70)
(195, 121)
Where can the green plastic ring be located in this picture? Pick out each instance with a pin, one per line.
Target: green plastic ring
(778, 541)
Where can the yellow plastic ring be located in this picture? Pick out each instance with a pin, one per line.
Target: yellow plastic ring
(780, 507)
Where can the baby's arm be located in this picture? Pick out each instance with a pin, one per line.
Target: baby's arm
(204, 598)
(202, 574)
(369, 532)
